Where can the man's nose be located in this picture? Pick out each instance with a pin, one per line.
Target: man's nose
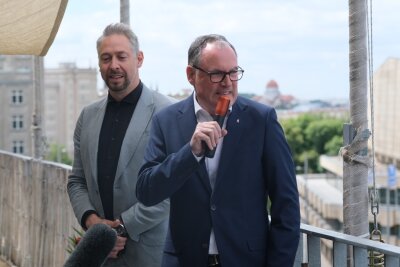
(226, 80)
(114, 63)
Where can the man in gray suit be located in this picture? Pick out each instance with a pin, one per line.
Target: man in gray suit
(109, 142)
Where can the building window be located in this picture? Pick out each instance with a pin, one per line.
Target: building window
(17, 97)
(18, 147)
(398, 198)
(17, 122)
(392, 196)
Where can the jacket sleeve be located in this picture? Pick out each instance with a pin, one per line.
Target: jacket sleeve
(139, 218)
(77, 187)
(280, 176)
(163, 173)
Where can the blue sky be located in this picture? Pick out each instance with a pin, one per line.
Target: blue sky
(302, 44)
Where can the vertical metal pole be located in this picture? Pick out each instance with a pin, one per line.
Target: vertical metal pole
(394, 209)
(124, 12)
(306, 188)
(306, 252)
(348, 136)
(38, 70)
(355, 174)
(388, 212)
(396, 201)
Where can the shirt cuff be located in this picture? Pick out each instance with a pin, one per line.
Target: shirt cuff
(85, 216)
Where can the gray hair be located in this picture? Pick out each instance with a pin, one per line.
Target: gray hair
(122, 29)
(200, 43)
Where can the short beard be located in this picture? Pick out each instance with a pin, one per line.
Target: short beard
(116, 88)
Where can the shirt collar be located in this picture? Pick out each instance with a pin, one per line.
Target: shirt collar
(201, 113)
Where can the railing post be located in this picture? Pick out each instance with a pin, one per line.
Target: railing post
(314, 251)
(339, 254)
(299, 253)
(391, 261)
(360, 257)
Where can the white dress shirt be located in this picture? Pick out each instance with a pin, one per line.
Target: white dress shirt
(211, 163)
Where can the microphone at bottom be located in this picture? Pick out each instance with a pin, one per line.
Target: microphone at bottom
(94, 247)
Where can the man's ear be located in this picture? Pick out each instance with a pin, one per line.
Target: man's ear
(191, 74)
(140, 57)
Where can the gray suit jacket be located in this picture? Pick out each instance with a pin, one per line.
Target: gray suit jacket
(146, 225)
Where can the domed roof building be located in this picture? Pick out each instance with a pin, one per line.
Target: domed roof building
(272, 93)
(273, 97)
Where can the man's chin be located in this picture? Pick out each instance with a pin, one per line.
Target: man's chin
(115, 87)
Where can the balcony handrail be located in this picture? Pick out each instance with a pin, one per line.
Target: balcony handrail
(33, 193)
(360, 242)
(361, 248)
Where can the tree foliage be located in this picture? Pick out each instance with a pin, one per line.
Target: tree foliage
(58, 153)
(311, 135)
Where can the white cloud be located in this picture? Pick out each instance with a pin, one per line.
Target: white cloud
(303, 44)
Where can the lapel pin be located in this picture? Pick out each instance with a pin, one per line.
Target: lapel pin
(237, 121)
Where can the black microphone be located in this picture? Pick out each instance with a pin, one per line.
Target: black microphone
(94, 247)
(219, 117)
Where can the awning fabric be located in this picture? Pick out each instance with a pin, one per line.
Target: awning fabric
(29, 27)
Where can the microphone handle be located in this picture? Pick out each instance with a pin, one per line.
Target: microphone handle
(210, 153)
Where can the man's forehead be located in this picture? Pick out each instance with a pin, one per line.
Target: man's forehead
(217, 44)
(115, 45)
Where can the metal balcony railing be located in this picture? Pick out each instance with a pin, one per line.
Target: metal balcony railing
(36, 220)
(313, 238)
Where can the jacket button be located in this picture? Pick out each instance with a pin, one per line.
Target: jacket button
(213, 207)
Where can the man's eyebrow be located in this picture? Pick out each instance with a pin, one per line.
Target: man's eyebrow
(117, 53)
(221, 71)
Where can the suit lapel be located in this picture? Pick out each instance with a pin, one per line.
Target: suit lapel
(140, 119)
(235, 131)
(187, 119)
(187, 122)
(93, 140)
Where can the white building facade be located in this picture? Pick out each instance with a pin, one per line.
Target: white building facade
(68, 90)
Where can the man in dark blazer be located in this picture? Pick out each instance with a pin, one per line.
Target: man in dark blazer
(109, 142)
(218, 212)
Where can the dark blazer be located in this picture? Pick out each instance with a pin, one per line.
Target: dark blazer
(255, 164)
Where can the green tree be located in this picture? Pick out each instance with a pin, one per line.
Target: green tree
(332, 146)
(58, 153)
(321, 131)
(311, 135)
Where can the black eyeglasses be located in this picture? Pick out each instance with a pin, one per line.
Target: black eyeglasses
(219, 76)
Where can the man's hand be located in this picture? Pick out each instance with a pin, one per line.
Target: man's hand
(94, 219)
(121, 241)
(209, 132)
(119, 246)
